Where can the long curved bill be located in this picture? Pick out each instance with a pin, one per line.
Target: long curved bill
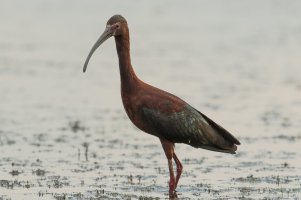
(106, 34)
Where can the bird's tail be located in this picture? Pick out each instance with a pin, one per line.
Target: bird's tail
(227, 142)
(231, 149)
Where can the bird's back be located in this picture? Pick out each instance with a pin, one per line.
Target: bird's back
(164, 115)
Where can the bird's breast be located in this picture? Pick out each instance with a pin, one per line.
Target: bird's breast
(131, 106)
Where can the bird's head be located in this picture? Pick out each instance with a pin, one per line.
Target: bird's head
(116, 26)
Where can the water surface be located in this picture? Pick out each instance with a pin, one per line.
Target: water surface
(65, 135)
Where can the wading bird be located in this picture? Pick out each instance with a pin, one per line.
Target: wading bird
(160, 113)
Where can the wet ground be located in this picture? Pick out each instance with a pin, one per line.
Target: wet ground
(65, 135)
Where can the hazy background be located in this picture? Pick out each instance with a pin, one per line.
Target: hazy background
(236, 61)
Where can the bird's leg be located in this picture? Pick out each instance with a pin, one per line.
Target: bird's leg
(179, 168)
(169, 152)
(172, 181)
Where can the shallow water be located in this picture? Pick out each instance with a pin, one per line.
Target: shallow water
(65, 135)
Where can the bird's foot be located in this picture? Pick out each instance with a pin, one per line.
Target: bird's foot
(173, 195)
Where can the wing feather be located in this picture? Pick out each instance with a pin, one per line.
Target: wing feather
(191, 127)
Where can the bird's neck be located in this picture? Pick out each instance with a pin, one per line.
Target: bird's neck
(127, 75)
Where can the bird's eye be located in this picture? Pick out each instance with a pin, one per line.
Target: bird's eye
(117, 26)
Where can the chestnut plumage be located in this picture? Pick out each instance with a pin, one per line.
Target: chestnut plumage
(160, 113)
